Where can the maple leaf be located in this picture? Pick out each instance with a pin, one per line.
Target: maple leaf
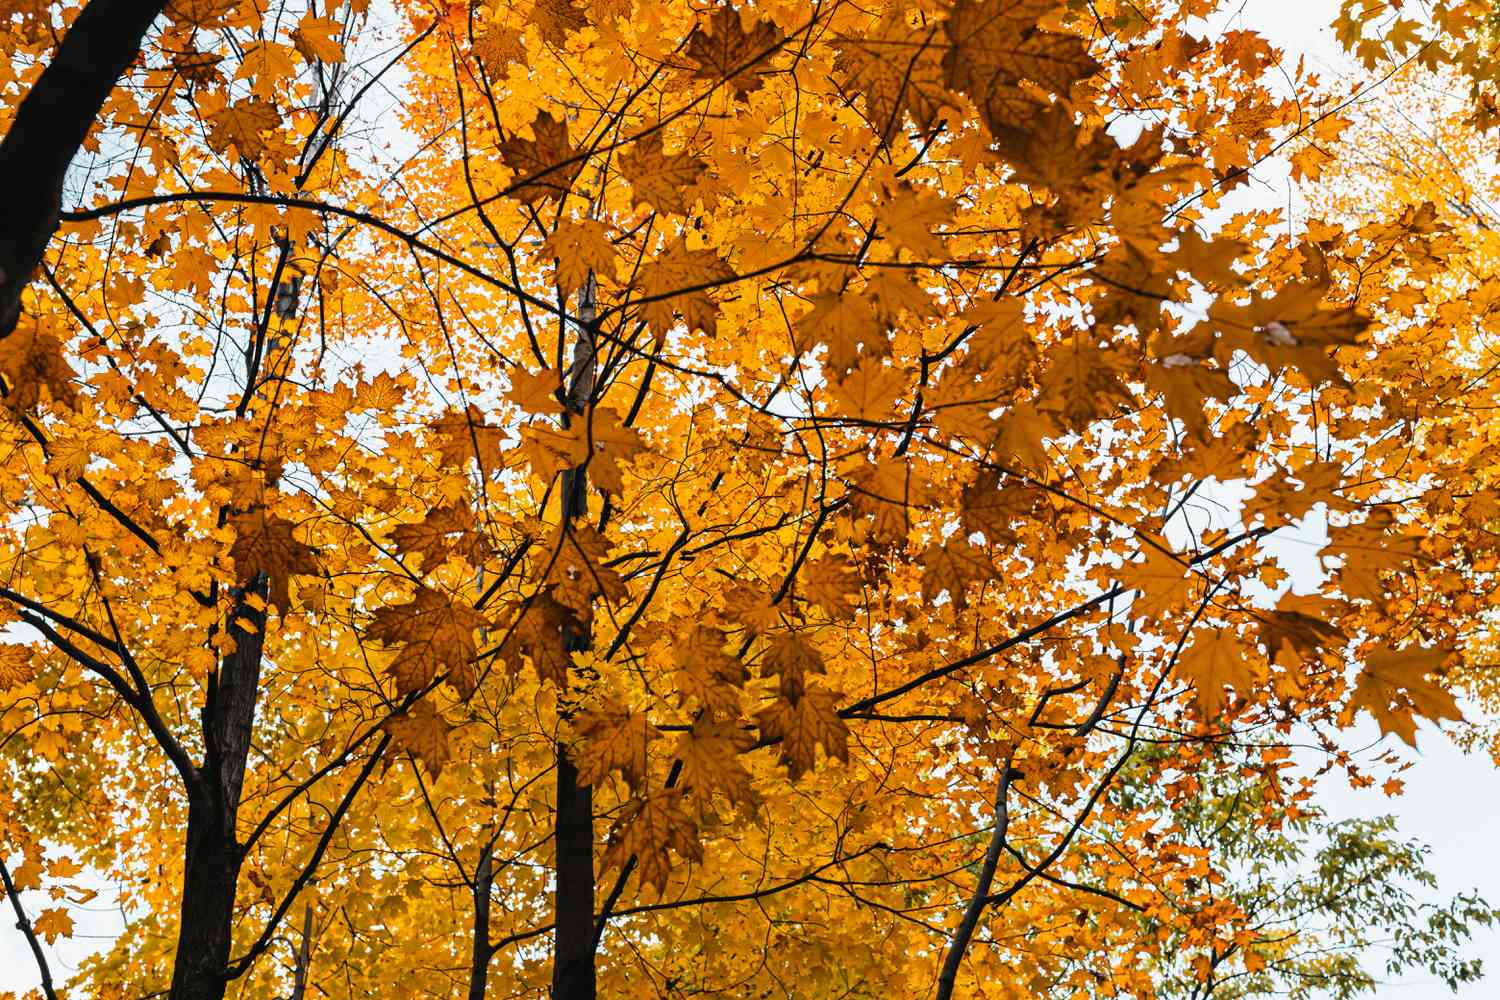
(996, 47)
(242, 125)
(15, 666)
(1161, 582)
(543, 167)
(844, 322)
(578, 573)
(433, 633)
(614, 445)
(422, 732)
(792, 659)
(728, 51)
(1185, 386)
(897, 69)
(665, 182)
(266, 62)
(538, 635)
(581, 248)
(804, 725)
(317, 39)
(994, 505)
(1371, 548)
(1083, 383)
(1393, 687)
(443, 531)
(886, 490)
(1213, 661)
(870, 391)
(53, 923)
(912, 219)
(710, 754)
(264, 544)
(611, 737)
(32, 362)
(1297, 628)
(650, 829)
(828, 582)
(679, 281)
(497, 46)
(706, 673)
(951, 567)
(535, 392)
(465, 435)
(557, 19)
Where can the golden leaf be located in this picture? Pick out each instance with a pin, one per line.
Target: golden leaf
(581, 247)
(434, 633)
(804, 725)
(422, 732)
(1393, 687)
(317, 39)
(264, 544)
(665, 182)
(729, 51)
(611, 737)
(650, 829)
(542, 167)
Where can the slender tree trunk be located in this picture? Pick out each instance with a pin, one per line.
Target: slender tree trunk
(479, 966)
(50, 126)
(573, 939)
(214, 856)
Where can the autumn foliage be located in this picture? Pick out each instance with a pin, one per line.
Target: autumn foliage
(640, 498)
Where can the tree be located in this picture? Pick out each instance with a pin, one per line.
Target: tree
(622, 516)
(1323, 908)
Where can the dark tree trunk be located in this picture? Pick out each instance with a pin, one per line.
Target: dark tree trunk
(212, 870)
(50, 126)
(573, 939)
(573, 958)
(479, 967)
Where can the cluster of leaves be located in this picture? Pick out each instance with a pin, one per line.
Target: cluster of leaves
(775, 426)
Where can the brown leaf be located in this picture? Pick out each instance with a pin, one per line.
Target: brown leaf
(543, 167)
(725, 50)
(264, 544)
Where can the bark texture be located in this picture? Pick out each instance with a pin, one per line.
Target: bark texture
(50, 126)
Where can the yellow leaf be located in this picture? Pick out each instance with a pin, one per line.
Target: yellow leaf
(317, 39)
(581, 247)
(53, 923)
(802, 726)
(422, 732)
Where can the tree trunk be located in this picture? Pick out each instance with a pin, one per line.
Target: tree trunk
(479, 967)
(573, 899)
(50, 126)
(212, 869)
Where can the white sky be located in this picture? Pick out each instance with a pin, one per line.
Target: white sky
(1451, 802)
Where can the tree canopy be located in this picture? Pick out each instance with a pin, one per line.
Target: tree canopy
(636, 498)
